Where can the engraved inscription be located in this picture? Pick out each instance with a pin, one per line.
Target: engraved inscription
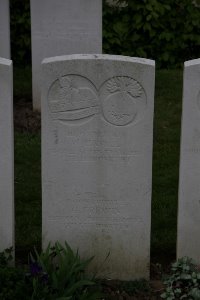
(72, 98)
(97, 206)
(194, 145)
(95, 145)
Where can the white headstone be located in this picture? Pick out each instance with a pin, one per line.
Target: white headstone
(6, 156)
(97, 128)
(189, 182)
(4, 29)
(62, 27)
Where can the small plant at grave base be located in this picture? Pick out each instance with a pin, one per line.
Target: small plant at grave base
(56, 274)
(59, 274)
(184, 281)
(12, 280)
(6, 257)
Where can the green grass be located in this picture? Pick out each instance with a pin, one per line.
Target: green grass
(27, 191)
(22, 81)
(165, 170)
(167, 122)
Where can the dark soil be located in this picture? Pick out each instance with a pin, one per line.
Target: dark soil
(115, 290)
(27, 121)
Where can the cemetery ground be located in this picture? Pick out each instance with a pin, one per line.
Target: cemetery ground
(168, 95)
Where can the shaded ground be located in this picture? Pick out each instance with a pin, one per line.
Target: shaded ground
(132, 291)
(25, 120)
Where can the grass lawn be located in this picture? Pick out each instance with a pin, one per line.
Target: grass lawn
(27, 191)
(165, 168)
(167, 121)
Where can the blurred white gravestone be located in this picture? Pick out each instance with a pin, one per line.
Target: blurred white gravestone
(97, 128)
(4, 29)
(6, 156)
(62, 27)
(189, 182)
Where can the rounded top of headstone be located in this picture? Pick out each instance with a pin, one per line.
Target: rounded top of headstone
(99, 56)
(5, 61)
(192, 62)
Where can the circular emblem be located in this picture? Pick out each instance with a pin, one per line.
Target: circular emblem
(123, 100)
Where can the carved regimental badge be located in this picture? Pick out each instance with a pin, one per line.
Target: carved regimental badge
(123, 100)
(120, 99)
(72, 98)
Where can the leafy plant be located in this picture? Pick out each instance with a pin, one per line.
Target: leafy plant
(12, 280)
(61, 273)
(165, 30)
(20, 32)
(6, 257)
(184, 282)
(56, 274)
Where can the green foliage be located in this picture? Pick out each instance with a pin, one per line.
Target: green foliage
(165, 30)
(12, 280)
(64, 272)
(20, 31)
(184, 282)
(56, 274)
(6, 257)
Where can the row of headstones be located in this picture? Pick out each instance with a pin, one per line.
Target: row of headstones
(97, 136)
(58, 27)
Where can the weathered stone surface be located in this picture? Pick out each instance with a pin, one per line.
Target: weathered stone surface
(189, 182)
(97, 128)
(6, 156)
(4, 29)
(62, 27)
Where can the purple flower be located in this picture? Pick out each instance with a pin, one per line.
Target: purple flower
(35, 269)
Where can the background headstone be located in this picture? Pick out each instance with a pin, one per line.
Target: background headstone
(6, 156)
(189, 182)
(62, 27)
(4, 29)
(97, 128)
